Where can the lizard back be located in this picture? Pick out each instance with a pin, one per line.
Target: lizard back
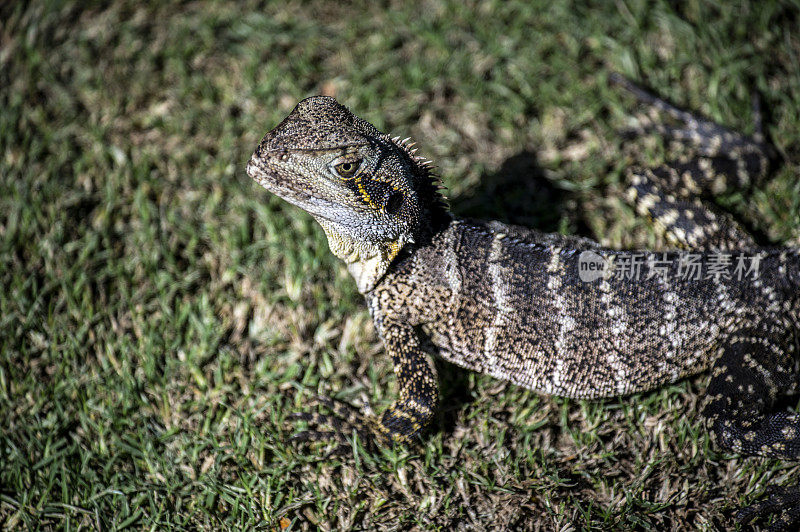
(510, 302)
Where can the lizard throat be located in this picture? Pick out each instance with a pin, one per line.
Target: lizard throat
(366, 261)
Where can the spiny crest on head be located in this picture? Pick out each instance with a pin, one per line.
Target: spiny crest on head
(409, 146)
(430, 179)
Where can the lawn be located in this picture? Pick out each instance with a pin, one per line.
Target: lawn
(161, 315)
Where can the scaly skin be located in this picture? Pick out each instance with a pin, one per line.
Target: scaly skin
(510, 301)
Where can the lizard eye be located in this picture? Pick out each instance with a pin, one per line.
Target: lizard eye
(347, 169)
(393, 203)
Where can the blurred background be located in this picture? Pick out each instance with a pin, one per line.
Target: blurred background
(160, 314)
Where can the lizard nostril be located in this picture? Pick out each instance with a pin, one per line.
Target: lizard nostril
(393, 203)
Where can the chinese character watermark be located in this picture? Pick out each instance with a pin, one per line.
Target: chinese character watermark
(688, 267)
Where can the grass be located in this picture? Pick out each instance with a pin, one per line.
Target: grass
(160, 315)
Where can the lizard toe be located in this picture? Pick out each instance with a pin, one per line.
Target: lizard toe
(345, 420)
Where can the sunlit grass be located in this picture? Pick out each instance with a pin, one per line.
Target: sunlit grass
(160, 315)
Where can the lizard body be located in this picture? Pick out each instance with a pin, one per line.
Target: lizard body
(511, 302)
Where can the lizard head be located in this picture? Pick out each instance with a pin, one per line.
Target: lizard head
(369, 192)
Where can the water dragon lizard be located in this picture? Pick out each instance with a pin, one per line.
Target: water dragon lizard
(514, 303)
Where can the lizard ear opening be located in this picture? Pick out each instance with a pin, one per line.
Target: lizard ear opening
(393, 202)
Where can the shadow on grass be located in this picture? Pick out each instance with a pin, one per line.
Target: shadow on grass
(518, 193)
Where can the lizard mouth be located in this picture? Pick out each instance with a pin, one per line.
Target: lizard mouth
(262, 177)
(293, 195)
(319, 208)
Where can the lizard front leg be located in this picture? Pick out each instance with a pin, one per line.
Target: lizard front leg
(407, 417)
(418, 397)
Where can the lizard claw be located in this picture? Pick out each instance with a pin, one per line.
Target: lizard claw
(783, 501)
(309, 436)
(345, 420)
